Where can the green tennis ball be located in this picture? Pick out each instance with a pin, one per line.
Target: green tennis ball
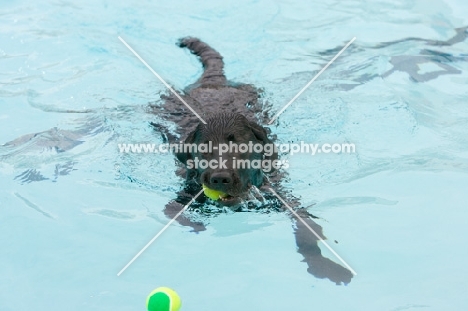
(213, 194)
(163, 299)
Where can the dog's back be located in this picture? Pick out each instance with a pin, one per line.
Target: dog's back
(212, 93)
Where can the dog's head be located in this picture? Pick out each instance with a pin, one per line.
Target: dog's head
(228, 154)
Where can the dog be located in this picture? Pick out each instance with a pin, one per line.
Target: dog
(233, 112)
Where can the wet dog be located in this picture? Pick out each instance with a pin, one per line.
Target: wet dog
(231, 114)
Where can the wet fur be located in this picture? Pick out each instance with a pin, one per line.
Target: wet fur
(233, 108)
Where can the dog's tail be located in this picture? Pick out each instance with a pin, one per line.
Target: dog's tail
(212, 61)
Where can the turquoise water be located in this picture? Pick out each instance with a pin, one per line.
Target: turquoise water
(74, 211)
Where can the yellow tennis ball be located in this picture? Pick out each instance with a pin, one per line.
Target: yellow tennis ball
(163, 299)
(213, 194)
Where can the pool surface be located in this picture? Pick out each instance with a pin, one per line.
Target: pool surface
(74, 210)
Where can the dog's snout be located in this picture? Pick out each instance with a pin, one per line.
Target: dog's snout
(221, 179)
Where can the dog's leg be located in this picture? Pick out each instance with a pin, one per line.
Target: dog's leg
(307, 243)
(174, 207)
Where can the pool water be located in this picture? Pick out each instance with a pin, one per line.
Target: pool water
(74, 211)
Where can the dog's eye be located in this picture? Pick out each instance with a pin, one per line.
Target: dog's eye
(231, 137)
(203, 149)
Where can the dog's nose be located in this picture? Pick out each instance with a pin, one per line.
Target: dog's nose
(221, 179)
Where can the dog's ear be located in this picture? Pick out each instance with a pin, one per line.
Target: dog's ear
(259, 132)
(262, 135)
(185, 156)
